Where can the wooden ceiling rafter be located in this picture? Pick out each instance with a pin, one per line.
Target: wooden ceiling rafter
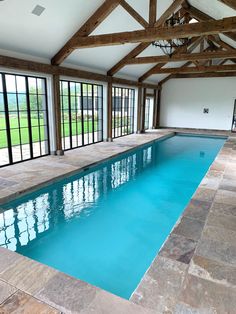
(215, 39)
(38, 67)
(229, 3)
(87, 28)
(201, 16)
(202, 75)
(152, 12)
(153, 29)
(141, 47)
(185, 57)
(134, 14)
(194, 44)
(209, 27)
(200, 68)
(171, 76)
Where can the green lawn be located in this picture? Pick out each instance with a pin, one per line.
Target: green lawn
(15, 137)
(36, 124)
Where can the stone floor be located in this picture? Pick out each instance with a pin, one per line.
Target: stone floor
(195, 271)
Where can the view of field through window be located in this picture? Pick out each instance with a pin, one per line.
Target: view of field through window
(23, 118)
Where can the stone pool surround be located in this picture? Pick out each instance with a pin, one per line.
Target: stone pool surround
(194, 272)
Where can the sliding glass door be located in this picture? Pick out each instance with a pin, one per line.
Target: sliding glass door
(122, 111)
(24, 130)
(147, 113)
(81, 114)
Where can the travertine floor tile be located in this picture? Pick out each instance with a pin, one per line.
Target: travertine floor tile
(203, 294)
(178, 248)
(22, 303)
(214, 271)
(219, 234)
(204, 194)
(6, 291)
(67, 294)
(163, 281)
(197, 210)
(225, 209)
(189, 228)
(227, 222)
(225, 197)
(28, 275)
(218, 251)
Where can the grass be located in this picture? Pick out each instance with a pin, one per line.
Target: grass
(39, 124)
(36, 125)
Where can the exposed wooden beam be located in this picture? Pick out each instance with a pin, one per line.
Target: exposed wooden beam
(222, 62)
(230, 3)
(134, 53)
(152, 12)
(166, 79)
(158, 66)
(206, 75)
(141, 47)
(37, 67)
(202, 45)
(200, 16)
(165, 33)
(91, 24)
(216, 39)
(184, 57)
(198, 69)
(57, 110)
(134, 14)
(171, 9)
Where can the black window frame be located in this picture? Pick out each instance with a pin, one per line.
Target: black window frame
(97, 102)
(147, 113)
(27, 112)
(233, 127)
(122, 97)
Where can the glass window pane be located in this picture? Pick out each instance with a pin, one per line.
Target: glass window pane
(12, 102)
(2, 121)
(1, 102)
(41, 86)
(33, 102)
(24, 119)
(1, 90)
(79, 120)
(24, 135)
(14, 121)
(21, 85)
(18, 117)
(16, 153)
(64, 88)
(3, 139)
(10, 83)
(32, 85)
(35, 134)
(34, 119)
(15, 138)
(25, 151)
(22, 102)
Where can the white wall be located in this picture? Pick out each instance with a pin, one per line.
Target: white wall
(183, 101)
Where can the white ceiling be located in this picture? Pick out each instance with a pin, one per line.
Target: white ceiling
(39, 38)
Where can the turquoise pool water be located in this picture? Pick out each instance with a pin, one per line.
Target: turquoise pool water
(106, 225)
